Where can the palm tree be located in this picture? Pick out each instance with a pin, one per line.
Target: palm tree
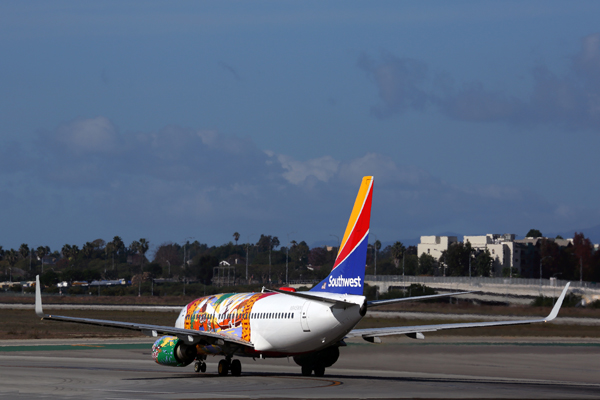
(377, 245)
(118, 244)
(69, 251)
(143, 248)
(12, 257)
(236, 236)
(24, 250)
(41, 252)
(134, 246)
(66, 251)
(397, 253)
(88, 250)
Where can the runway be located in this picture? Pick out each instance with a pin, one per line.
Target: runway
(401, 368)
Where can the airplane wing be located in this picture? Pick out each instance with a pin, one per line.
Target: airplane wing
(374, 303)
(416, 332)
(189, 336)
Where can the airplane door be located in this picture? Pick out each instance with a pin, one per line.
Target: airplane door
(304, 317)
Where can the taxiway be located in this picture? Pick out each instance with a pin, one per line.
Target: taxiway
(399, 368)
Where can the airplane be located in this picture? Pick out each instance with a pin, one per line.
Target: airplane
(309, 326)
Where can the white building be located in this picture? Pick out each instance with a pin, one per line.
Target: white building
(435, 245)
(501, 248)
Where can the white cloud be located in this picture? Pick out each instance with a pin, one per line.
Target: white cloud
(384, 169)
(83, 136)
(323, 168)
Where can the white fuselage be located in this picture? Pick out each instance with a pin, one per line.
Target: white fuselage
(288, 324)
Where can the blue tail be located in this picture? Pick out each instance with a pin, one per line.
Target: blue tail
(348, 273)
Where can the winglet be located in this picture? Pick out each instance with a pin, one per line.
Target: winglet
(38, 298)
(559, 302)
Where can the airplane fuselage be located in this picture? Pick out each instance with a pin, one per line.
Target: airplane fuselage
(276, 324)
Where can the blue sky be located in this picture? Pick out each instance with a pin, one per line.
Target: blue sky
(199, 119)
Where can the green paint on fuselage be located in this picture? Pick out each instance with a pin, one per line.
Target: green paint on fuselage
(222, 298)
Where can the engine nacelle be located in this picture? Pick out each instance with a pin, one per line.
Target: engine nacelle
(171, 351)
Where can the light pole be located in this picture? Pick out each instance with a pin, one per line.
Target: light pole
(541, 261)
(554, 291)
(581, 272)
(187, 240)
(375, 248)
(287, 256)
(403, 255)
(338, 240)
(247, 245)
(169, 262)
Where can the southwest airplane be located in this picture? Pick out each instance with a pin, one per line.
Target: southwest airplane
(309, 326)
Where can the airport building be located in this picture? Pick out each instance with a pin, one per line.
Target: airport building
(502, 249)
(435, 245)
(520, 256)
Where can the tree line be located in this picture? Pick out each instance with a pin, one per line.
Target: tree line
(270, 263)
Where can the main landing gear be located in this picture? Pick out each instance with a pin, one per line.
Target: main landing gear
(226, 365)
(317, 362)
(307, 370)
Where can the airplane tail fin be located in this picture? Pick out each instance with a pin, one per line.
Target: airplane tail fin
(348, 273)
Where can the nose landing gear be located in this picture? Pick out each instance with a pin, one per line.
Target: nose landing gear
(200, 366)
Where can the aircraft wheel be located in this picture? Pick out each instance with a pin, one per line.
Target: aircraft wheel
(306, 370)
(236, 368)
(197, 366)
(319, 371)
(203, 367)
(223, 367)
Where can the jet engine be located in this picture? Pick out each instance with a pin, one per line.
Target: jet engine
(171, 351)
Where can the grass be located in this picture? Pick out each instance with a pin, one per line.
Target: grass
(531, 330)
(464, 307)
(24, 324)
(93, 299)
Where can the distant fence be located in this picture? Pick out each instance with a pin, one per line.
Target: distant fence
(478, 280)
